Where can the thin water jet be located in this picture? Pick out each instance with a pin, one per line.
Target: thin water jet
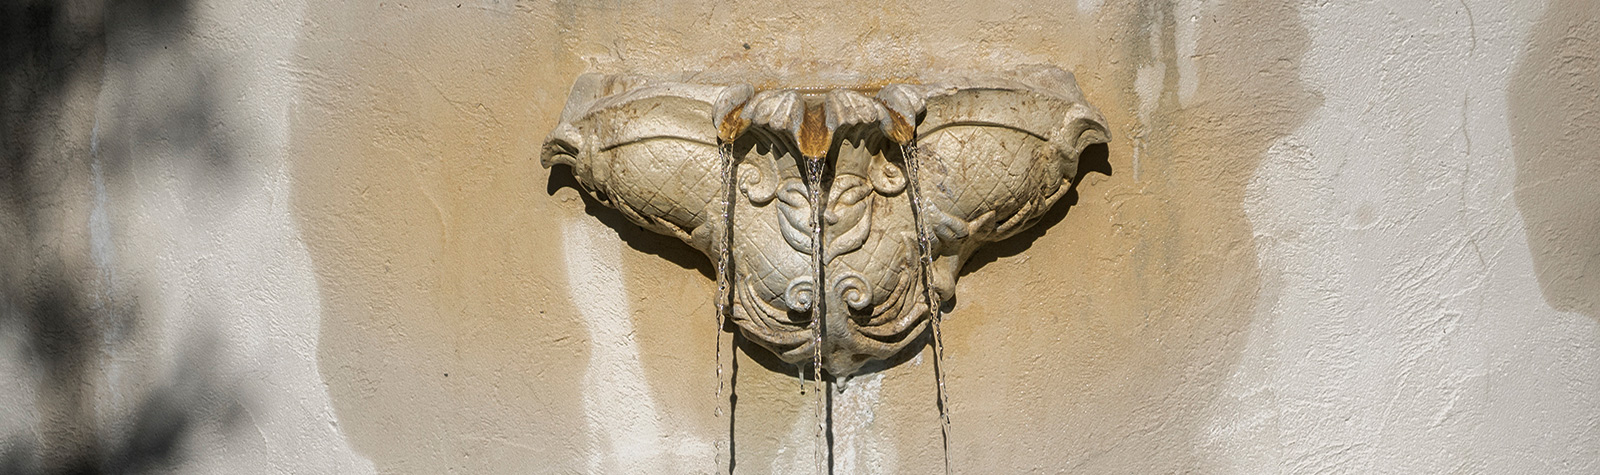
(935, 309)
(814, 185)
(724, 280)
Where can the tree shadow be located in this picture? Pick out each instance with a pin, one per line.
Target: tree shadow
(62, 319)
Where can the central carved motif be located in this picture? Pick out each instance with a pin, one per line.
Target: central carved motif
(832, 211)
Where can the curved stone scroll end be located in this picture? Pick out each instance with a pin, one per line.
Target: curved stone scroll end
(1084, 127)
(562, 147)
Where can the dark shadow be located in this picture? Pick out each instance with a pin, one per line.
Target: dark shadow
(764, 357)
(827, 423)
(39, 56)
(1094, 159)
(770, 361)
(923, 341)
(67, 342)
(637, 237)
(64, 318)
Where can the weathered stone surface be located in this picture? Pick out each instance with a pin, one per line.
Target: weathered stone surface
(993, 153)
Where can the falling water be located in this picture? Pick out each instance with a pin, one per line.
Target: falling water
(814, 187)
(925, 259)
(724, 272)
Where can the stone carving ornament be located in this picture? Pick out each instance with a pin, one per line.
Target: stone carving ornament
(839, 217)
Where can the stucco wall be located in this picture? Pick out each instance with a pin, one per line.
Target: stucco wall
(314, 237)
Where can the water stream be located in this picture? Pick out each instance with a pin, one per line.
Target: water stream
(724, 271)
(818, 299)
(935, 310)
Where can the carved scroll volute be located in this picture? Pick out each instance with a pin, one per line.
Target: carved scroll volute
(773, 288)
(870, 281)
(874, 292)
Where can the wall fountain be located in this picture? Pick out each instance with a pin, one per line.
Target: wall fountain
(838, 217)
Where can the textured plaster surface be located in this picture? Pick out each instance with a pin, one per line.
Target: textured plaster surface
(159, 309)
(1340, 237)
(1402, 326)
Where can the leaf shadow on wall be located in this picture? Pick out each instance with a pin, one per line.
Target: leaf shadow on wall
(66, 324)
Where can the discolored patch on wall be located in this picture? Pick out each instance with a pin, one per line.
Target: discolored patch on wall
(1555, 133)
(1140, 296)
(438, 239)
(448, 341)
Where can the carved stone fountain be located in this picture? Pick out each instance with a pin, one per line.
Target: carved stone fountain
(838, 217)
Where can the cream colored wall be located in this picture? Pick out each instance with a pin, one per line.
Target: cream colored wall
(1334, 237)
